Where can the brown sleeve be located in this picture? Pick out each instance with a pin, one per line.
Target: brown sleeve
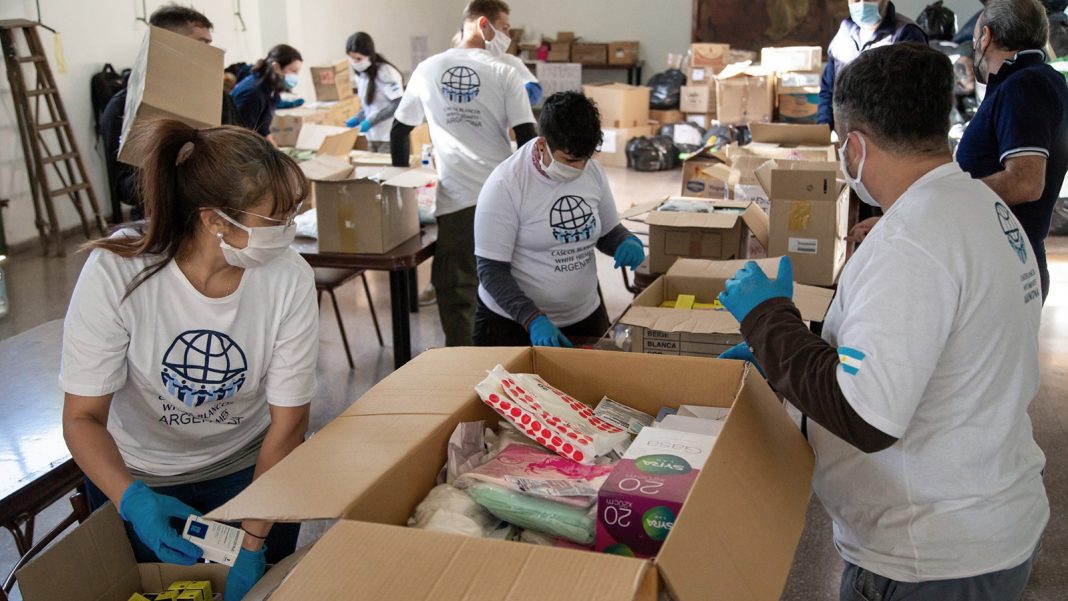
(804, 368)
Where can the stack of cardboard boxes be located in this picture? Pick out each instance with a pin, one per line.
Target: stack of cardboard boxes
(624, 116)
(798, 70)
(698, 97)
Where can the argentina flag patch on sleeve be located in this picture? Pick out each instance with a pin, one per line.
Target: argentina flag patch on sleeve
(852, 359)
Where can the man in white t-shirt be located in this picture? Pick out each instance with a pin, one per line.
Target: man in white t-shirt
(919, 388)
(470, 99)
(540, 216)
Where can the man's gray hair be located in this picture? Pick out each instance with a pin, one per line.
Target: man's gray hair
(1016, 24)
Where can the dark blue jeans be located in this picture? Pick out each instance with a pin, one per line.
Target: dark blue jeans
(204, 497)
(859, 584)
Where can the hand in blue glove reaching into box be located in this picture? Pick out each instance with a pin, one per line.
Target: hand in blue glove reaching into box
(742, 352)
(750, 287)
(355, 120)
(630, 253)
(245, 573)
(544, 333)
(150, 514)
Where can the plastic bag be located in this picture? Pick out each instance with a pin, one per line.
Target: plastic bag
(666, 90)
(687, 137)
(573, 523)
(467, 450)
(657, 153)
(448, 509)
(538, 473)
(307, 224)
(938, 22)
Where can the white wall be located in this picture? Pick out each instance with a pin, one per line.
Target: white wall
(91, 34)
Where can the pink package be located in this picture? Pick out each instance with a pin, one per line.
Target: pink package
(538, 473)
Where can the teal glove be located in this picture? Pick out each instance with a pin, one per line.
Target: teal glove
(742, 352)
(630, 253)
(365, 125)
(150, 514)
(245, 573)
(544, 333)
(750, 287)
(354, 120)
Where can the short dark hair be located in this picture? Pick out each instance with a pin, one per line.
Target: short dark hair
(491, 9)
(175, 17)
(571, 123)
(900, 95)
(1016, 24)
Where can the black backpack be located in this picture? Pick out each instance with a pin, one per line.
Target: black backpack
(104, 85)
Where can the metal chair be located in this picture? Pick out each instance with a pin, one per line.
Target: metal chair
(327, 280)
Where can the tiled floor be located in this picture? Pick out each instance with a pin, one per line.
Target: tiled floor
(39, 290)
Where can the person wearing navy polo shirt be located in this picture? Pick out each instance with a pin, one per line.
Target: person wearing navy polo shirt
(1018, 141)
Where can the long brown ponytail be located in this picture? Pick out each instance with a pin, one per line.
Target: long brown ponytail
(186, 170)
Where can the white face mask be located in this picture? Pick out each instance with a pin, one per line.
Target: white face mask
(498, 46)
(558, 171)
(854, 182)
(265, 244)
(360, 66)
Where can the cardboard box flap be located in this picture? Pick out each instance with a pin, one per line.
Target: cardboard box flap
(675, 320)
(736, 536)
(640, 209)
(312, 135)
(366, 157)
(412, 178)
(356, 560)
(326, 168)
(698, 220)
(758, 222)
(339, 144)
(93, 562)
(790, 134)
(800, 180)
(735, 70)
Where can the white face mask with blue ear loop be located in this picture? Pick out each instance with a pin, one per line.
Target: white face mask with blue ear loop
(854, 182)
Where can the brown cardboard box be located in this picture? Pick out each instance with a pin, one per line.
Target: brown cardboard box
(623, 53)
(697, 99)
(702, 120)
(710, 55)
(621, 105)
(738, 179)
(585, 53)
(806, 142)
(372, 211)
(696, 182)
(339, 111)
(719, 236)
(701, 333)
(173, 77)
(744, 95)
(705, 76)
(798, 81)
(94, 562)
(799, 107)
(792, 58)
(332, 82)
(328, 139)
(667, 117)
(613, 150)
(287, 123)
(560, 48)
(809, 217)
(374, 464)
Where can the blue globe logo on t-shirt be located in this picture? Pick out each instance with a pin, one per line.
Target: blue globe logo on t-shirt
(572, 219)
(202, 366)
(460, 84)
(1011, 228)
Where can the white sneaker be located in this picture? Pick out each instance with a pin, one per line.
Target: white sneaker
(428, 296)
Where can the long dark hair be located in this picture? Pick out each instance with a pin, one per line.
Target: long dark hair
(185, 170)
(282, 55)
(362, 43)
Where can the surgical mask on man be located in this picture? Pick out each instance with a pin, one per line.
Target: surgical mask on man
(290, 80)
(498, 46)
(854, 182)
(558, 171)
(265, 244)
(360, 65)
(865, 14)
(979, 54)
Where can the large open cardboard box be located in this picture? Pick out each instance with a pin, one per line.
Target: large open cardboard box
(744, 94)
(734, 539)
(701, 333)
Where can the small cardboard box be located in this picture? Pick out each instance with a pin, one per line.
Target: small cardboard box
(585, 53)
(744, 95)
(792, 58)
(697, 182)
(94, 562)
(287, 123)
(332, 82)
(667, 117)
(721, 235)
(372, 211)
(799, 107)
(715, 56)
(701, 75)
(697, 99)
(809, 142)
(621, 105)
(809, 217)
(660, 330)
(560, 48)
(173, 77)
(613, 149)
(735, 537)
(623, 53)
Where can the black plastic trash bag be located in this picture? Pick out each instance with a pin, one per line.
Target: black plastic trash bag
(687, 137)
(666, 90)
(938, 22)
(657, 153)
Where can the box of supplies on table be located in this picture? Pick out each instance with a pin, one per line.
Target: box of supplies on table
(734, 538)
(332, 82)
(787, 141)
(678, 313)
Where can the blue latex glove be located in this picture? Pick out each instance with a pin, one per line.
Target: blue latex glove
(150, 515)
(289, 104)
(750, 287)
(544, 333)
(533, 92)
(742, 352)
(365, 125)
(353, 121)
(630, 253)
(245, 573)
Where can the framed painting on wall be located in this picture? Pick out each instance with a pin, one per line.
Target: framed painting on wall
(754, 24)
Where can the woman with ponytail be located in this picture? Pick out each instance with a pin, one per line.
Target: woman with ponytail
(256, 96)
(379, 86)
(191, 341)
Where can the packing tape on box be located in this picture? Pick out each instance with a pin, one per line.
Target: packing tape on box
(800, 215)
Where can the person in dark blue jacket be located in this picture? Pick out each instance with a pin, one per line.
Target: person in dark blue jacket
(256, 96)
(870, 25)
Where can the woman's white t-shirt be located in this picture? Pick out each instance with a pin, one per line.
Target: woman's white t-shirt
(389, 87)
(192, 376)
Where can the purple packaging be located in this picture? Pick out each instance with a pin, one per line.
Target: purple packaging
(638, 504)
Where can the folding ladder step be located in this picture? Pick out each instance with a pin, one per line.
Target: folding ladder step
(36, 58)
(41, 92)
(53, 125)
(69, 189)
(59, 157)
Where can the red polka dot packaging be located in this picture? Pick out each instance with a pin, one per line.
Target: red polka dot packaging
(549, 416)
